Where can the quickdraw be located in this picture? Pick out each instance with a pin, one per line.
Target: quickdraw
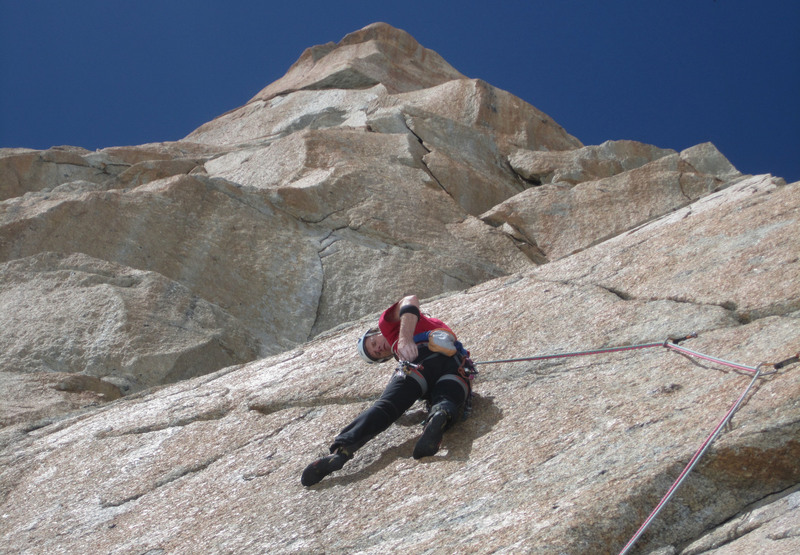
(405, 368)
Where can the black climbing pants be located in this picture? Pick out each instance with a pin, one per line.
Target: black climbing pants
(439, 382)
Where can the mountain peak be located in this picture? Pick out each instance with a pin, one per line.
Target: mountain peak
(376, 54)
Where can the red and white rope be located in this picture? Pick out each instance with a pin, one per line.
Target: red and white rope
(673, 345)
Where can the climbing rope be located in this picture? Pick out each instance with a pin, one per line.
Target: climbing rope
(723, 362)
(575, 354)
(699, 453)
(757, 373)
(669, 341)
(673, 344)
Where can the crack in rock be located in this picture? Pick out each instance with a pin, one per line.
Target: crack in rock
(422, 159)
(214, 414)
(750, 518)
(173, 475)
(782, 308)
(271, 407)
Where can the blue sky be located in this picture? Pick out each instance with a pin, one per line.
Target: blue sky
(672, 73)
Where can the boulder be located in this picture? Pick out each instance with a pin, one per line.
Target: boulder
(248, 258)
(385, 219)
(73, 314)
(736, 248)
(263, 121)
(589, 163)
(561, 218)
(23, 170)
(512, 122)
(27, 170)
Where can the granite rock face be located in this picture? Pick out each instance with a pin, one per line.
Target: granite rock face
(108, 320)
(179, 323)
(609, 199)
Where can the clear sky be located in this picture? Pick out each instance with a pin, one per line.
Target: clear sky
(672, 73)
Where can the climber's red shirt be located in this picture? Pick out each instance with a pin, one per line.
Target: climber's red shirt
(391, 330)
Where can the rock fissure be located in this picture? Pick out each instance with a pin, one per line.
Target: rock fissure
(422, 161)
(172, 476)
(531, 180)
(436, 179)
(329, 239)
(783, 308)
(682, 187)
(526, 244)
(749, 519)
(216, 414)
(110, 504)
(750, 315)
(181, 471)
(622, 295)
(323, 217)
(270, 407)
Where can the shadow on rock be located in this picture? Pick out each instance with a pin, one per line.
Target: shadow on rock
(456, 444)
(459, 439)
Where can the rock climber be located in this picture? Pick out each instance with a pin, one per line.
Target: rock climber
(433, 366)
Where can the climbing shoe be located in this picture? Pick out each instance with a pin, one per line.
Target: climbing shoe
(431, 438)
(320, 468)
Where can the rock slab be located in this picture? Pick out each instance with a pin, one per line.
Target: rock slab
(180, 321)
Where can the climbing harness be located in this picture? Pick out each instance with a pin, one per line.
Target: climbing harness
(441, 341)
(673, 344)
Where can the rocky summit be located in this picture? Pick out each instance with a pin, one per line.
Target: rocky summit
(179, 323)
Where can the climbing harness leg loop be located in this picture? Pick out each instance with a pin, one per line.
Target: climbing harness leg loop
(413, 371)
